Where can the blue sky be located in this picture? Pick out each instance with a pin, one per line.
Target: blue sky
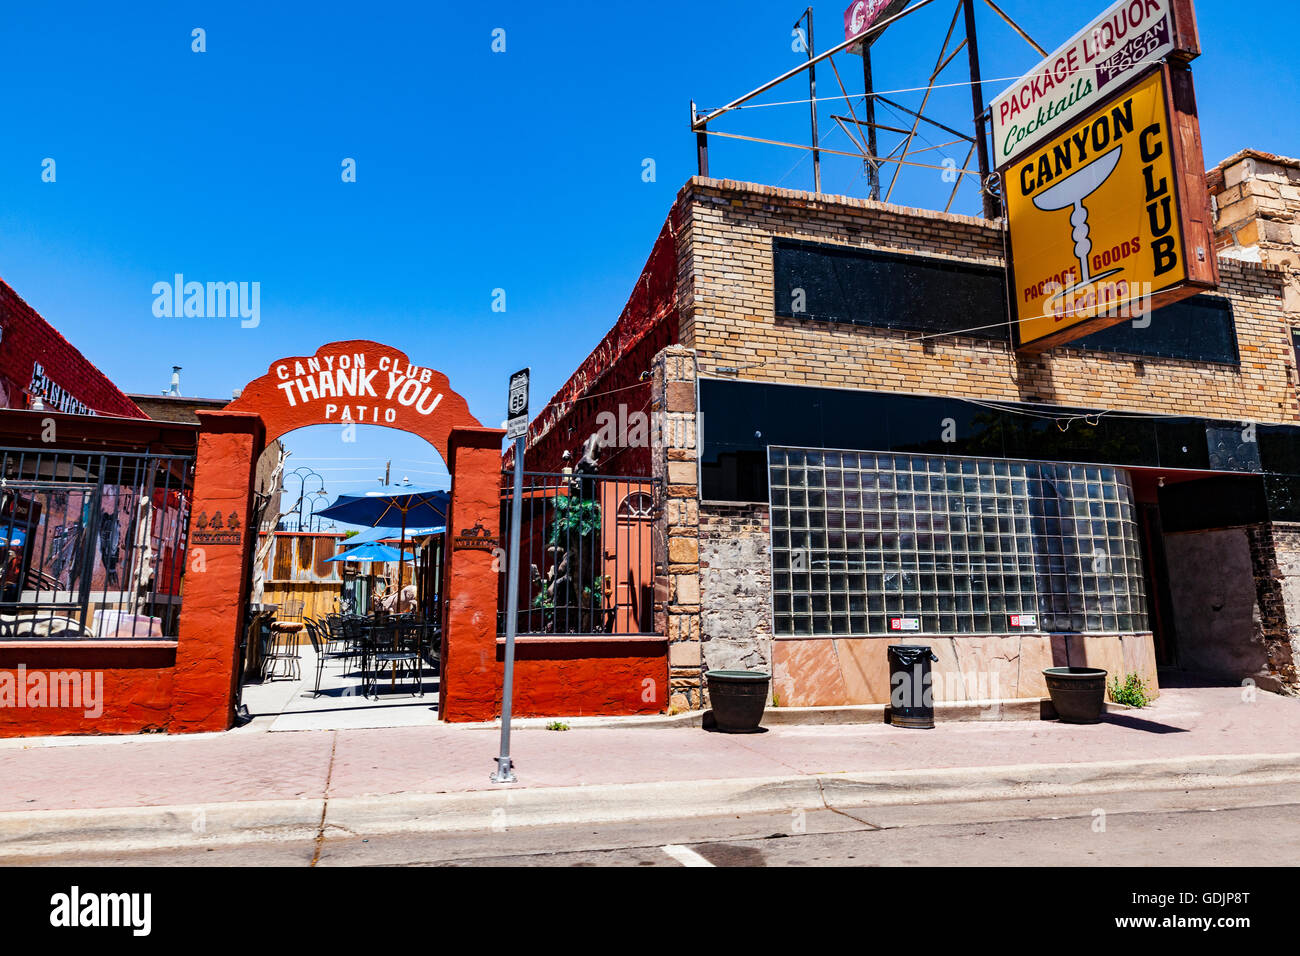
(475, 170)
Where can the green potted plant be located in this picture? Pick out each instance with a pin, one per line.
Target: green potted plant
(1132, 692)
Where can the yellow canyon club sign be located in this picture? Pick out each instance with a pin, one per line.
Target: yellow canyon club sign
(1095, 220)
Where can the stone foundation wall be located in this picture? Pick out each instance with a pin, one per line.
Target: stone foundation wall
(674, 453)
(735, 587)
(1275, 556)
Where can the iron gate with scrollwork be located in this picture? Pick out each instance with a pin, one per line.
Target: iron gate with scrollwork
(586, 557)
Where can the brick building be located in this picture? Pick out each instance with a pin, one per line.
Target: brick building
(177, 408)
(852, 454)
(36, 362)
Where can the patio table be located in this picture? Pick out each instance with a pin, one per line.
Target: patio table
(371, 626)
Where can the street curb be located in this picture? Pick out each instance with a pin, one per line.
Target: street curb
(38, 833)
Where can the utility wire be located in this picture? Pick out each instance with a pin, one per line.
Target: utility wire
(584, 398)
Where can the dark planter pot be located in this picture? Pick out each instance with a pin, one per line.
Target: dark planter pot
(738, 698)
(1078, 693)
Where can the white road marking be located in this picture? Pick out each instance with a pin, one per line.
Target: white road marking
(685, 856)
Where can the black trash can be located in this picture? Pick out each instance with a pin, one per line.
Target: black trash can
(911, 700)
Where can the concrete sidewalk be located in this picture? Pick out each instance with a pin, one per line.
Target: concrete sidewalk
(249, 764)
(423, 776)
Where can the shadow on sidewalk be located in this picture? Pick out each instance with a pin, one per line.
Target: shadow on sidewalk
(1148, 726)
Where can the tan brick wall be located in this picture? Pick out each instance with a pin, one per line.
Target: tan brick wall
(1257, 201)
(1257, 214)
(726, 291)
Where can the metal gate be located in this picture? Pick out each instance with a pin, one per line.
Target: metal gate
(586, 563)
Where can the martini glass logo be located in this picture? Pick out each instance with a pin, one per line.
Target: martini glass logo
(1070, 193)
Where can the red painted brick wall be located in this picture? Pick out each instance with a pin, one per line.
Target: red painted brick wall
(611, 375)
(134, 677)
(571, 676)
(28, 338)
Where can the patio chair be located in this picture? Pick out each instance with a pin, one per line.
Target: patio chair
(324, 654)
(338, 634)
(395, 647)
(322, 630)
(344, 635)
(353, 630)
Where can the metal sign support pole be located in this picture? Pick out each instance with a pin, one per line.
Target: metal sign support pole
(873, 167)
(505, 767)
(992, 206)
(701, 143)
(812, 103)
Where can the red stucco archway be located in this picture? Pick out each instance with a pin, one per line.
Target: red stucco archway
(356, 382)
(353, 382)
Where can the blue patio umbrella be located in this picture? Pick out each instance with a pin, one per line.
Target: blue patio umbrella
(372, 551)
(380, 533)
(392, 506)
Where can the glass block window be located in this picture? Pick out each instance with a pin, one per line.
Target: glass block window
(870, 543)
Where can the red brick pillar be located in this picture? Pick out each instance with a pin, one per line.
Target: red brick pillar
(217, 573)
(470, 686)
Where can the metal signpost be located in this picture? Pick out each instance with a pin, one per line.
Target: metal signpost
(858, 18)
(516, 428)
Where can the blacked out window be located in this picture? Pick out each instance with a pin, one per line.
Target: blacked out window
(741, 419)
(1199, 329)
(824, 283)
(818, 282)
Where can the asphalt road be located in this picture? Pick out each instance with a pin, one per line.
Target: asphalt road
(1244, 826)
